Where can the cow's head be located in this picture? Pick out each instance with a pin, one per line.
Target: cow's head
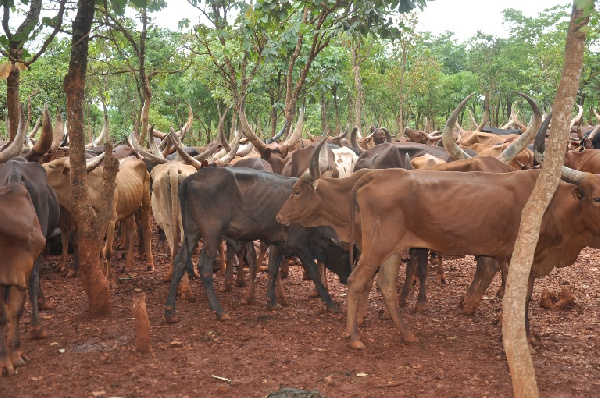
(305, 202)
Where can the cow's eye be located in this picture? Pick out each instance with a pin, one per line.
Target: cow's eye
(296, 192)
(597, 200)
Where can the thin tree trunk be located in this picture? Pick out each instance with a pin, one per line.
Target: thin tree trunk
(357, 87)
(513, 324)
(91, 226)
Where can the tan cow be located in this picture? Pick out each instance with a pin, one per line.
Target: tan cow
(132, 197)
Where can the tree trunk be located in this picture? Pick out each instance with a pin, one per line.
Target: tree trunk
(513, 324)
(338, 126)
(358, 88)
(91, 226)
(12, 100)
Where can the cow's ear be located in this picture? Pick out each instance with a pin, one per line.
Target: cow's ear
(578, 193)
(314, 184)
(266, 154)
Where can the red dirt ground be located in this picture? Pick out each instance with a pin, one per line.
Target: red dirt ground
(301, 346)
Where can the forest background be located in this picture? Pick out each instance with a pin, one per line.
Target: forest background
(388, 75)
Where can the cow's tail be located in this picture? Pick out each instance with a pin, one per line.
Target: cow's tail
(182, 200)
(353, 206)
(173, 188)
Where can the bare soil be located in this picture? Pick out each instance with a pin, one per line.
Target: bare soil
(259, 352)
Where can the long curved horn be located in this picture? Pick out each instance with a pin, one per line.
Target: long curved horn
(353, 139)
(38, 123)
(153, 148)
(188, 124)
(45, 142)
(577, 119)
(276, 136)
(244, 150)
(59, 131)
(104, 134)
(297, 134)
(524, 139)
(235, 144)
(184, 155)
(539, 145)
(447, 139)
(567, 174)
(407, 164)
(15, 146)
(315, 166)
(133, 142)
(388, 137)
(94, 162)
(248, 132)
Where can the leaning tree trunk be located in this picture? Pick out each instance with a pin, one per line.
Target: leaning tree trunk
(513, 324)
(91, 226)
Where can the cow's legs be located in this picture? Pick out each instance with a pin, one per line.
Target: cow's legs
(64, 239)
(34, 290)
(422, 268)
(107, 251)
(417, 264)
(313, 273)
(16, 306)
(207, 259)
(183, 263)
(6, 366)
(146, 229)
(129, 226)
(363, 302)
(386, 281)
(249, 256)
(274, 263)
(228, 274)
(486, 269)
(356, 285)
(440, 274)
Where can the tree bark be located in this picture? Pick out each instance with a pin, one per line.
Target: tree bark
(91, 226)
(513, 324)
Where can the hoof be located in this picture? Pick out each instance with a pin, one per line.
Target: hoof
(225, 288)
(149, 267)
(420, 308)
(247, 301)
(333, 308)
(8, 370)
(71, 273)
(442, 281)
(172, 318)
(45, 305)
(357, 345)
(314, 294)
(409, 338)
(223, 316)
(274, 307)
(20, 360)
(38, 333)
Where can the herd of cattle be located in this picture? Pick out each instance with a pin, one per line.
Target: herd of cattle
(356, 206)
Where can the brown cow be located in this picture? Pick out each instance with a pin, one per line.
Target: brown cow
(21, 242)
(387, 208)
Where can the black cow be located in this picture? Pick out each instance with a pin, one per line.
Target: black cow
(240, 205)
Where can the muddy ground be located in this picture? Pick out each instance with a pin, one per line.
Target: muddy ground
(259, 352)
